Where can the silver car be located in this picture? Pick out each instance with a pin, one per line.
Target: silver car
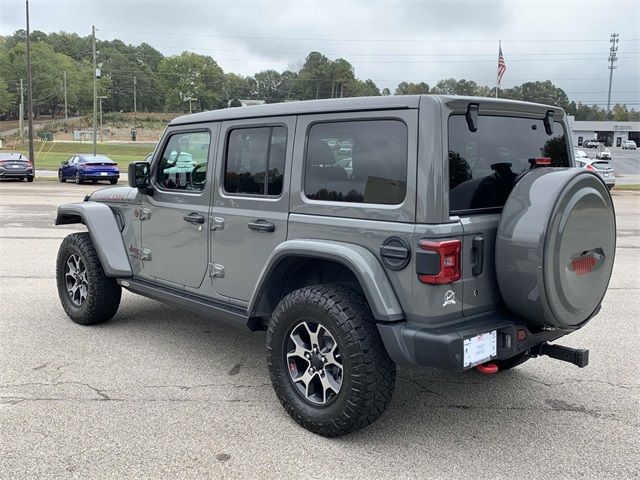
(601, 167)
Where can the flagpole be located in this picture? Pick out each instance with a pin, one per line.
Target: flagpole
(498, 71)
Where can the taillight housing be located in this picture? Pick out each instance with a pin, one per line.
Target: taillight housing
(590, 167)
(29, 163)
(438, 263)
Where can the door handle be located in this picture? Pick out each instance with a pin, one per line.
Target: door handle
(194, 218)
(477, 252)
(262, 226)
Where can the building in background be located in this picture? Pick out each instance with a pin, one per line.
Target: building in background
(613, 133)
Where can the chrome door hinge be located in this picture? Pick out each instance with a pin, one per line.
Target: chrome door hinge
(143, 214)
(146, 255)
(216, 223)
(216, 270)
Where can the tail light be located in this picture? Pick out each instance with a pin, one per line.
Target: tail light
(29, 163)
(438, 263)
(590, 167)
(542, 161)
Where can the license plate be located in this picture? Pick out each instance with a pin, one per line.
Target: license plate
(104, 174)
(16, 166)
(479, 349)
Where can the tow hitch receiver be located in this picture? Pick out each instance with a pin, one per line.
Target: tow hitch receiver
(577, 356)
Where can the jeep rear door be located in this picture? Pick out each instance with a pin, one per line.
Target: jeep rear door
(485, 157)
(250, 207)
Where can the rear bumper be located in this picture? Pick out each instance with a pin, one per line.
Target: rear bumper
(97, 176)
(415, 345)
(17, 173)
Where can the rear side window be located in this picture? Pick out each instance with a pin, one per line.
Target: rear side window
(358, 161)
(255, 161)
(484, 164)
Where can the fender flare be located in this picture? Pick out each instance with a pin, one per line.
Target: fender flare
(105, 234)
(364, 265)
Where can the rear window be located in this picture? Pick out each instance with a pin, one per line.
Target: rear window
(601, 164)
(357, 161)
(484, 164)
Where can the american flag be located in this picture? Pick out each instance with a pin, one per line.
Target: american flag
(502, 66)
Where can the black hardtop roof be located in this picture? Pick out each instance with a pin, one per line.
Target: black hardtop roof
(335, 105)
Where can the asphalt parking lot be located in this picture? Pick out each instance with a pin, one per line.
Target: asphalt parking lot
(158, 392)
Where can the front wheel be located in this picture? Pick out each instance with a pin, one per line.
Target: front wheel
(87, 295)
(61, 178)
(77, 178)
(327, 362)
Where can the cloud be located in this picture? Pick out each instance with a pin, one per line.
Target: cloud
(386, 40)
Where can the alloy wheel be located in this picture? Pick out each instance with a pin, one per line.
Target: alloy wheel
(75, 276)
(314, 363)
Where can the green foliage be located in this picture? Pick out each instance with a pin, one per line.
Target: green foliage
(409, 88)
(163, 83)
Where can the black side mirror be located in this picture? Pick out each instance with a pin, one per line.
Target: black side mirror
(139, 176)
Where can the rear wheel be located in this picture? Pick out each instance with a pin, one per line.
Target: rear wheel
(327, 362)
(87, 295)
(113, 181)
(29, 179)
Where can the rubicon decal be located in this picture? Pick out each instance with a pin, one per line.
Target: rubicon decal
(586, 262)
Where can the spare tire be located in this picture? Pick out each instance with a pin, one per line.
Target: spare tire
(555, 247)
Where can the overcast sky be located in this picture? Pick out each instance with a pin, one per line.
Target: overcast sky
(386, 40)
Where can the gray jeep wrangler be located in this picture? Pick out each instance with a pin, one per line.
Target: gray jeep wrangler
(361, 234)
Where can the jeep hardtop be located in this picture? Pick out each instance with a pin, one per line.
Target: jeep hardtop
(361, 234)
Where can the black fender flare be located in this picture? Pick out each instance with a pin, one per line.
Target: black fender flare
(105, 234)
(365, 266)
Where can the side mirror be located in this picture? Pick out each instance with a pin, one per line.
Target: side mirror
(139, 175)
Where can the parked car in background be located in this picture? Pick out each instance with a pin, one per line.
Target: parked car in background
(601, 167)
(85, 167)
(593, 143)
(629, 145)
(579, 154)
(604, 155)
(15, 165)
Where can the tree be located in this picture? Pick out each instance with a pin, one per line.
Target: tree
(190, 75)
(6, 98)
(539, 92)
(386, 92)
(621, 113)
(409, 88)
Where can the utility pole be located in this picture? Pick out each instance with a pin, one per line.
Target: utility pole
(190, 99)
(613, 58)
(135, 104)
(29, 94)
(95, 90)
(66, 116)
(20, 126)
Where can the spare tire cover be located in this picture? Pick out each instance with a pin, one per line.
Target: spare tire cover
(555, 247)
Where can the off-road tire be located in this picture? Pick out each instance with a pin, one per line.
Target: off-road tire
(369, 374)
(103, 297)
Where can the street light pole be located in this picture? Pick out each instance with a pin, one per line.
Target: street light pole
(95, 90)
(614, 40)
(29, 93)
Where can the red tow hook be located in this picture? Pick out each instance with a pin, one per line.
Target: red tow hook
(487, 368)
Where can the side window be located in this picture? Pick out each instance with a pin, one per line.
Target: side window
(357, 161)
(183, 165)
(255, 160)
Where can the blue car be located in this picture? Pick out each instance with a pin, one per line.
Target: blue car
(84, 167)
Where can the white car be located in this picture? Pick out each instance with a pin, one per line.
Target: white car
(604, 155)
(579, 154)
(629, 145)
(601, 167)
